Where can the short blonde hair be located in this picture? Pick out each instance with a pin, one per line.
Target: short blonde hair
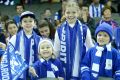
(71, 3)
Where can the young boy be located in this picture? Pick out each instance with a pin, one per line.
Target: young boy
(70, 38)
(102, 61)
(19, 9)
(26, 41)
(47, 66)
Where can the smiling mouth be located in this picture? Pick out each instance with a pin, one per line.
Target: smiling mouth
(45, 52)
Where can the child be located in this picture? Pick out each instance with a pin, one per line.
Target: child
(11, 28)
(46, 30)
(26, 41)
(69, 41)
(19, 9)
(102, 61)
(47, 66)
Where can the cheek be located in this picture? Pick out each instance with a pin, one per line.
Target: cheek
(107, 39)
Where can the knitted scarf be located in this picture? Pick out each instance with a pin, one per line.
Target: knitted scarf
(71, 63)
(27, 52)
(97, 58)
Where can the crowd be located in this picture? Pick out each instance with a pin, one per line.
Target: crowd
(66, 45)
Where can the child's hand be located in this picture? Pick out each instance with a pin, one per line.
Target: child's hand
(63, 18)
(32, 71)
(60, 78)
(2, 45)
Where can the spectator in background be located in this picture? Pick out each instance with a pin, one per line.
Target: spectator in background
(4, 20)
(86, 19)
(11, 29)
(47, 15)
(46, 30)
(95, 9)
(2, 36)
(109, 4)
(58, 15)
(19, 9)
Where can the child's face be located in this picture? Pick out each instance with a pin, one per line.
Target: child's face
(19, 9)
(102, 38)
(85, 11)
(71, 14)
(28, 23)
(12, 29)
(46, 50)
(47, 13)
(107, 13)
(45, 31)
(3, 24)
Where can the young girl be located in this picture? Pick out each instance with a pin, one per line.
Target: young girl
(47, 66)
(11, 28)
(102, 61)
(70, 38)
(46, 30)
(26, 41)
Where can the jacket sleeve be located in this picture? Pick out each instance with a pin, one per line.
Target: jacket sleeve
(85, 66)
(57, 44)
(117, 67)
(61, 71)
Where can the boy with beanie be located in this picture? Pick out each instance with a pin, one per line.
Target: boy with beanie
(102, 61)
(26, 41)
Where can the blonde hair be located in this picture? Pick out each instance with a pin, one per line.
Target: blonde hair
(71, 3)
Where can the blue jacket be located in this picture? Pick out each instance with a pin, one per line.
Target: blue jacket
(41, 68)
(88, 60)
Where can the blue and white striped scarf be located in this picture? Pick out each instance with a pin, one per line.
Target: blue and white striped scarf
(29, 52)
(51, 68)
(46, 69)
(71, 64)
(97, 58)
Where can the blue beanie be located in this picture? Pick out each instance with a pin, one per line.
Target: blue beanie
(27, 13)
(106, 28)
